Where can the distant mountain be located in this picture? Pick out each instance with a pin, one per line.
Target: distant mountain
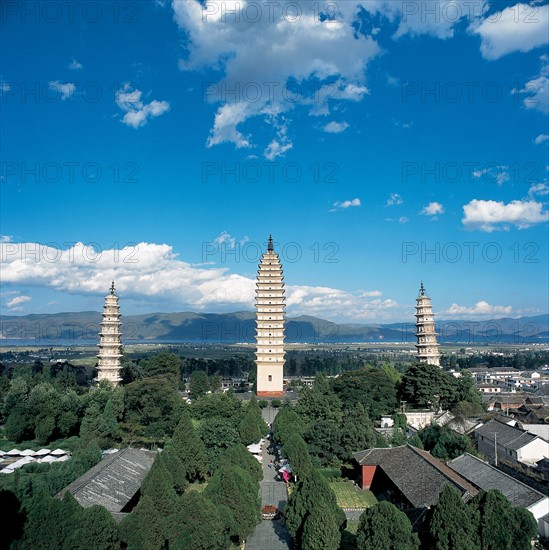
(82, 327)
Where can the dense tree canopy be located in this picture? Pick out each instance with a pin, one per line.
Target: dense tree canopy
(426, 385)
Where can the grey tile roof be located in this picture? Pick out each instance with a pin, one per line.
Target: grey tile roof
(113, 481)
(507, 436)
(418, 475)
(486, 477)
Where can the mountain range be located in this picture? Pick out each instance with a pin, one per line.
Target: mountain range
(239, 327)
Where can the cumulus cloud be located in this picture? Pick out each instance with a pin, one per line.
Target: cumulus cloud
(15, 303)
(153, 274)
(335, 127)
(433, 209)
(518, 28)
(480, 309)
(538, 189)
(137, 112)
(75, 65)
(341, 205)
(394, 199)
(491, 215)
(273, 64)
(493, 173)
(542, 138)
(64, 89)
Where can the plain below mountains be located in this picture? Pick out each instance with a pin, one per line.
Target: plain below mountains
(239, 327)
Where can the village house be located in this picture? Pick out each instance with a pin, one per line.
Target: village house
(484, 476)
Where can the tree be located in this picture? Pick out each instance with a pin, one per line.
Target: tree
(199, 384)
(238, 455)
(356, 432)
(525, 529)
(190, 449)
(444, 443)
(311, 491)
(295, 449)
(250, 428)
(385, 526)
(218, 435)
(197, 524)
(165, 364)
(427, 385)
(97, 530)
(287, 423)
(320, 530)
(452, 524)
(234, 490)
(374, 388)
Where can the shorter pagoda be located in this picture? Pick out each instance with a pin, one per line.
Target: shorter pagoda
(110, 345)
(427, 346)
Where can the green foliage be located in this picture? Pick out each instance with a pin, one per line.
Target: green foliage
(164, 364)
(426, 385)
(467, 390)
(276, 403)
(190, 449)
(250, 428)
(197, 524)
(385, 526)
(374, 388)
(262, 403)
(218, 435)
(444, 443)
(287, 423)
(320, 530)
(416, 442)
(199, 384)
(238, 455)
(356, 432)
(235, 491)
(295, 449)
(218, 405)
(152, 408)
(452, 524)
(311, 492)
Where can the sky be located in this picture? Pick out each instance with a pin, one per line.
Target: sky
(381, 143)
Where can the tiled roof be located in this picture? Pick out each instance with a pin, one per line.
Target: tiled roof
(507, 436)
(487, 477)
(418, 475)
(113, 481)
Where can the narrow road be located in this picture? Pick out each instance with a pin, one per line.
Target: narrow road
(270, 535)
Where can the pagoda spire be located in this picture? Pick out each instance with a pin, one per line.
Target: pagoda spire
(427, 346)
(269, 307)
(110, 345)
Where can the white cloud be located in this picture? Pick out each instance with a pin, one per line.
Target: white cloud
(493, 173)
(538, 189)
(75, 65)
(64, 89)
(15, 303)
(518, 28)
(153, 274)
(542, 138)
(394, 199)
(339, 205)
(481, 309)
(138, 112)
(273, 64)
(433, 209)
(282, 143)
(491, 215)
(335, 127)
(536, 90)
(403, 219)
(5, 238)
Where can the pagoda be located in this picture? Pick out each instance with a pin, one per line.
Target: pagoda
(427, 346)
(110, 346)
(269, 305)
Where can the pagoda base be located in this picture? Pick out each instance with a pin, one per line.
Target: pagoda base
(270, 394)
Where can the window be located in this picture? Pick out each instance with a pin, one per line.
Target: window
(270, 378)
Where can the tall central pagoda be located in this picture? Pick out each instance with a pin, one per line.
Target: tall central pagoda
(427, 346)
(269, 304)
(110, 346)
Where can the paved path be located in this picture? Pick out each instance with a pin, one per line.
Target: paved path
(270, 535)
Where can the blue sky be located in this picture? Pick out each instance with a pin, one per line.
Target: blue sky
(381, 143)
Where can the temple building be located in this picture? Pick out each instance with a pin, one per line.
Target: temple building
(427, 346)
(110, 346)
(270, 325)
